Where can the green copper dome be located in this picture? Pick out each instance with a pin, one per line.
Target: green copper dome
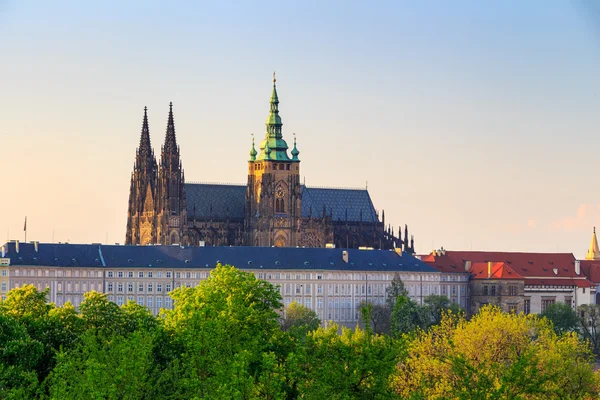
(273, 140)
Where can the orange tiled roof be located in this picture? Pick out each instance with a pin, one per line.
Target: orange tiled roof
(524, 264)
(443, 263)
(499, 270)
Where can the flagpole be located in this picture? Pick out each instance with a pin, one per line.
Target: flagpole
(25, 229)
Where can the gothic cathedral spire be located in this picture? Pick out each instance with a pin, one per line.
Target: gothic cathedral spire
(143, 180)
(171, 197)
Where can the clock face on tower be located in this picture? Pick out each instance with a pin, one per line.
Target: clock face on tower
(280, 192)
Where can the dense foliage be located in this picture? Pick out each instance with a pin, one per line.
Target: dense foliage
(230, 338)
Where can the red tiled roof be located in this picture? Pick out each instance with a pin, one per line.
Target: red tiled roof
(443, 263)
(559, 282)
(500, 270)
(537, 269)
(591, 269)
(524, 264)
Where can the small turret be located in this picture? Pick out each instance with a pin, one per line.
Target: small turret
(295, 151)
(253, 151)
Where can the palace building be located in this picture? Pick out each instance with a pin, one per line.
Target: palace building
(273, 209)
(332, 282)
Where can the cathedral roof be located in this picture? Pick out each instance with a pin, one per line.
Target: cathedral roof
(219, 201)
(205, 200)
(357, 202)
(245, 257)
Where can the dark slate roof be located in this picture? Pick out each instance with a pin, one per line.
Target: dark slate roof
(338, 201)
(293, 258)
(221, 197)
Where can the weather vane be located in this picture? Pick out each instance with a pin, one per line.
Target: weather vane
(274, 80)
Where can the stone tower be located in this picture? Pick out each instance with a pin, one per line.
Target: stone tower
(141, 217)
(273, 195)
(170, 200)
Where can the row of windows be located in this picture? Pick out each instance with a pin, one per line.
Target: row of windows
(347, 277)
(276, 166)
(157, 274)
(147, 301)
(75, 287)
(203, 275)
(490, 290)
(374, 289)
(141, 287)
(59, 273)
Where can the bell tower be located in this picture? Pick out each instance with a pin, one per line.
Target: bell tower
(141, 219)
(273, 194)
(171, 194)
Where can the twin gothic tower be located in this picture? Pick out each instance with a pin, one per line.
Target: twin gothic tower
(272, 209)
(157, 202)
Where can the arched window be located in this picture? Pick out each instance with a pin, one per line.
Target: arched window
(279, 206)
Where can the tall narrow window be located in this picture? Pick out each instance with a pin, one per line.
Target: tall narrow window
(279, 206)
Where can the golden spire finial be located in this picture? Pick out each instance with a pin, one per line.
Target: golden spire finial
(274, 80)
(594, 251)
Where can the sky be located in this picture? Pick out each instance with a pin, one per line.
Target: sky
(475, 123)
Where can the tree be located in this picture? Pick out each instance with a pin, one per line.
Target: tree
(376, 316)
(27, 302)
(563, 318)
(495, 355)
(19, 356)
(353, 365)
(138, 318)
(435, 307)
(45, 323)
(407, 316)
(395, 290)
(119, 368)
(589, 323)
(225, 327)
(101, 315)
(300, 318)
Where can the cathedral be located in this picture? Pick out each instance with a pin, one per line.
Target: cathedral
(273, 209)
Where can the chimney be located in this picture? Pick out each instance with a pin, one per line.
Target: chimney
(467, 265)
(345, 256)
(577, 267)
(3, 251)
(35, 246)
(489, 269)
(17, 246)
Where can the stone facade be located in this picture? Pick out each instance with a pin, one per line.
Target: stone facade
(509, 295)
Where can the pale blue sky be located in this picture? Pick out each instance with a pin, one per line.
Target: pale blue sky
(477, 123)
